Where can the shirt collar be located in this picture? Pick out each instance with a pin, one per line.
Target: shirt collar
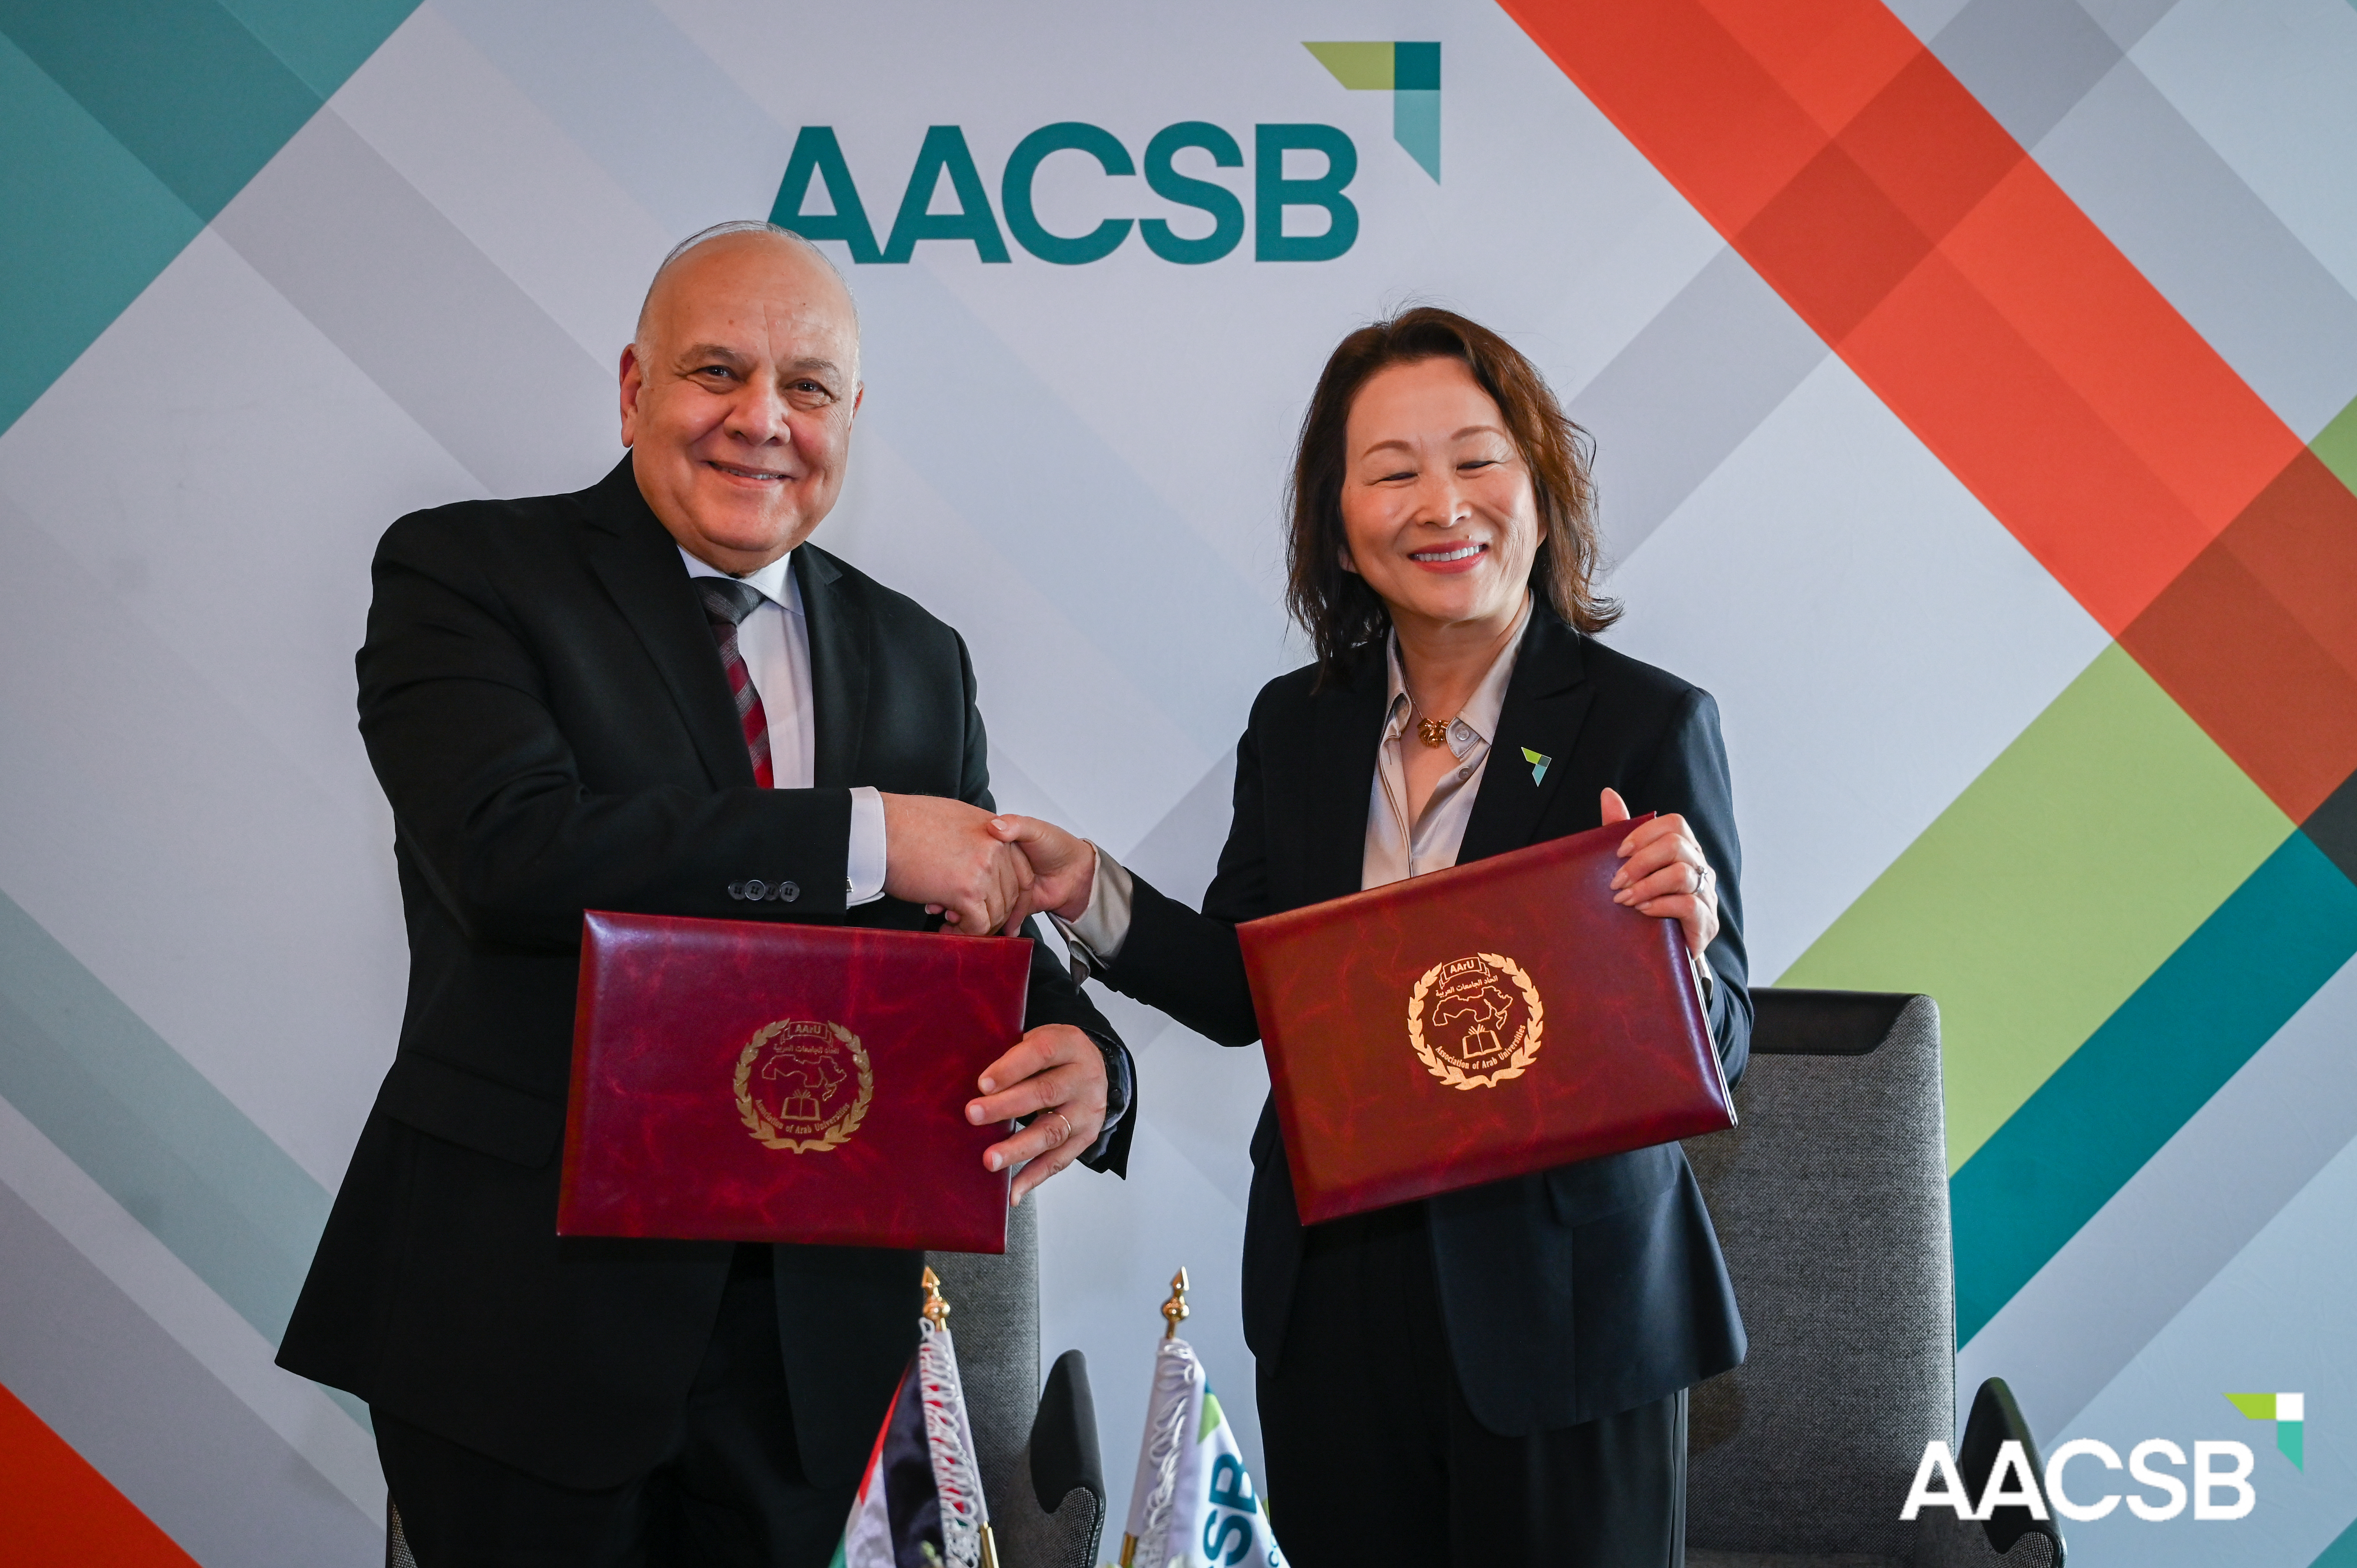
(775, 582)
(1477, 721)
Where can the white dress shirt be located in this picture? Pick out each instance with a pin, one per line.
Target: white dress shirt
(775, 642)
(1397, 848)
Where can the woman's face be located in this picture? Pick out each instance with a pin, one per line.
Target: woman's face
(1438, 514)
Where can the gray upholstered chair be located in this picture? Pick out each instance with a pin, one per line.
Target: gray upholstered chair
(1041, 1465)
(1831, 1201)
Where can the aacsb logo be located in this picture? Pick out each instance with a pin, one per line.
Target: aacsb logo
(2221, 1483)
(1411, 72)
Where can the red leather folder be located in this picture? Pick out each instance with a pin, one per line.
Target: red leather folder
(743, 1080)
(1478, 1022)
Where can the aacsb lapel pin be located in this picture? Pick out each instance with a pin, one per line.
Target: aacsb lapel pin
(1538, 765)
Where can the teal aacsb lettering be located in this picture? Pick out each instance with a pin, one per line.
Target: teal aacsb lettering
(817, 159)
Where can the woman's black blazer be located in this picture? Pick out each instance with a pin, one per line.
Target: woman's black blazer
(1570, 1294)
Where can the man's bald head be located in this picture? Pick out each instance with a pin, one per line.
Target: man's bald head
(756, 233)
(738, 391)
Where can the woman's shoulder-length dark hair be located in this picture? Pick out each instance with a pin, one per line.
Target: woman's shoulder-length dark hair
(1333, 603)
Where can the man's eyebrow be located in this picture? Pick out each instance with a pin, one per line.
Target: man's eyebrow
(824, 367)
(707, 353)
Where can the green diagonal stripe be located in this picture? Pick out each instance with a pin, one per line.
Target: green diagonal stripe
(128, 124)
(2052, 887)
(151, 1129)
(2103, 1113)
(2336, 443)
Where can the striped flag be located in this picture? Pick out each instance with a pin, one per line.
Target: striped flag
(1193, 1505)
(920, 1500)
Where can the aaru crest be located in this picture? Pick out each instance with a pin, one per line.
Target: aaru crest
(803, 1085)
(1475, 1021)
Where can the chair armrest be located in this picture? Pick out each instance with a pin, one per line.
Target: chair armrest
(1944, 1540)
(1064, 1454)
(1054, 1515)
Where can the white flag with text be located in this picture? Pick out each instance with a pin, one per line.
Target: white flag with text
(1193, 1506)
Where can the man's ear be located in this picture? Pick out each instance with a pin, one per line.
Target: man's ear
(633, 379)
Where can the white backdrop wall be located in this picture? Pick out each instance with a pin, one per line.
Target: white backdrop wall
(417, 292)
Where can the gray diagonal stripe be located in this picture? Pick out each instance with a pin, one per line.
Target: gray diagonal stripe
(151, 1129)
(2126, 21)
(2222, 258)
(1686, 392)
(2053, 75)
(450, 337)
(2027, 61)
(152, 1421)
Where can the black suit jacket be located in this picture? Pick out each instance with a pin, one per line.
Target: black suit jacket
(544, 704)
(1569, 1294)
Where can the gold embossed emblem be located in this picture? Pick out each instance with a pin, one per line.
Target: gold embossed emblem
(803, 1085)
(1475, 1021)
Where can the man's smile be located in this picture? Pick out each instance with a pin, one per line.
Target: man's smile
(738, 470)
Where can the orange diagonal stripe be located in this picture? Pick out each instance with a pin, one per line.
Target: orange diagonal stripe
(1875, 194)
(54, 1509)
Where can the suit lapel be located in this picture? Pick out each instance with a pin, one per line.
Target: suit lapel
(1346, 729)
(838, 656)
(1546, 702)
(635, 557)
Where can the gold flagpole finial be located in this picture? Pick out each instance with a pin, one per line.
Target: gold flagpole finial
(936, 1310)
(1174, 1311)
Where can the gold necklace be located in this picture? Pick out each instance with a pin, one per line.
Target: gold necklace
(1432, 732)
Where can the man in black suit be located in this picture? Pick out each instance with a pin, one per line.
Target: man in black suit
(652, 695)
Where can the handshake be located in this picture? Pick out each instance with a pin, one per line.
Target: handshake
(986, 874)
(983, 874)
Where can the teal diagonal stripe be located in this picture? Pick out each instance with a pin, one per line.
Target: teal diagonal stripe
(321, 41)
(88, 227)
(151, 1129)
(2341, 1553)
(2152, 1064)
(182, 83)
(125, 125)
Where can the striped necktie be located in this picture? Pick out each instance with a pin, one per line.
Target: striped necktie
(726, 603)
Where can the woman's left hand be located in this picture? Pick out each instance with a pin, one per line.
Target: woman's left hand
(1665, 874)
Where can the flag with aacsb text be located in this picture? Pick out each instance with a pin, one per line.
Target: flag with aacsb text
(1193, 1506)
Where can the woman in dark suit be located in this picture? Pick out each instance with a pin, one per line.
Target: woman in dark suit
(1497, 1375)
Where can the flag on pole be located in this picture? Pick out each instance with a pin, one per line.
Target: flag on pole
(920, 1500)
(1193, 1506)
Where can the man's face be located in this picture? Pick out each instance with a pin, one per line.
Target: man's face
(739, 397)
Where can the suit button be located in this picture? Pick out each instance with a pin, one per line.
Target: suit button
(756, 890)
(789, 892)
(736, 890)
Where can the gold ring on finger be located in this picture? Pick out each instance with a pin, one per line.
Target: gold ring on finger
(1068, 1129)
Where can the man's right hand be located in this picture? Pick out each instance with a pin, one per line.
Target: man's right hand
(941, 853)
